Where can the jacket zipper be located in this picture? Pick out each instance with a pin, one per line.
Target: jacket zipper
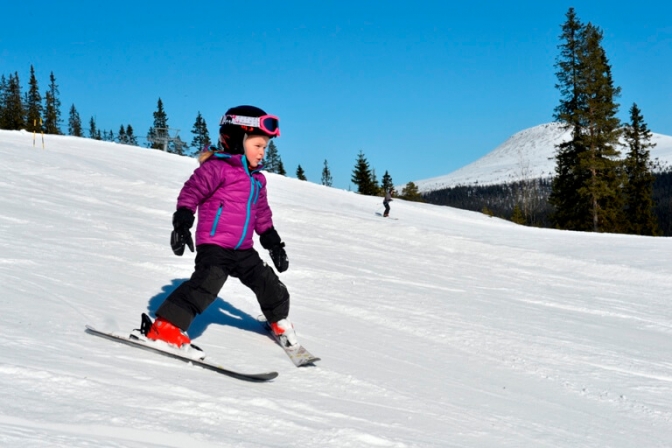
(250, 200)
(214, 224)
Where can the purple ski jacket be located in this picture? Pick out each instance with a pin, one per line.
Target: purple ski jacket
(231, 201)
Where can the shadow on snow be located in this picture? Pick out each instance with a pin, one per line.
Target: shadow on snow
(219, 312)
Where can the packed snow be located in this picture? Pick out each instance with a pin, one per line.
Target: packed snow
(444, 328)
(526, 155)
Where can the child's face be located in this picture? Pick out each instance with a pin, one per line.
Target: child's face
(255, 147)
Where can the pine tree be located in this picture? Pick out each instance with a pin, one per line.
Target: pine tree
(158, 133)
(75, 123)
(52, 109)
(130, 138)
(201, 136)
(281, 168)
(518, 216)
(13, 117)
(569, 210)
(326, 175)
(387, 183)
(272, 160)
(410, 192)
(362, 176)
(639, 206)
(121, 138)
(93, 130)
(33, 104)
(586, 190)
(601, 137)
(300, 174)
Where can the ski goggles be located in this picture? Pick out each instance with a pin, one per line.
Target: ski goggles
(270, 124)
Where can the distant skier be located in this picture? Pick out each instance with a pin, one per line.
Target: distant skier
(229, 192)
(386, 202)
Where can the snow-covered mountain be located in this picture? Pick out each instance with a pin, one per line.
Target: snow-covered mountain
(444, 328)
(527, 154)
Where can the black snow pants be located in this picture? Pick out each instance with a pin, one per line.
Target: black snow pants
(213, 266)
(387, 208)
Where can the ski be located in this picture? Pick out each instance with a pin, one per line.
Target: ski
(196, 358)
(383, 216)
(298, 354)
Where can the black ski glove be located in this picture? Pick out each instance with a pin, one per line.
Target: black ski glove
(270, 240)
(183, 219)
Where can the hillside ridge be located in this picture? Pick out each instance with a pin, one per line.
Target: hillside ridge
(528, 154)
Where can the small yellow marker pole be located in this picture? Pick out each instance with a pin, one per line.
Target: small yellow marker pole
(34, 124)
(42, 132)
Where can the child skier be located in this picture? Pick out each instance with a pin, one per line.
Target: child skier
(229, 192)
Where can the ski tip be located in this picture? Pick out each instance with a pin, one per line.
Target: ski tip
(268, 376)
(255, 377)
(309, 363)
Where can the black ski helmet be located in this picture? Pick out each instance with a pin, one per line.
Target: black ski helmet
(232, 134)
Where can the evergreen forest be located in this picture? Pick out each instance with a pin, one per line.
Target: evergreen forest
(506, 201)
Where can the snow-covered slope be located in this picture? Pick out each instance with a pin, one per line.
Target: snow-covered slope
(528, 154)
(444, 328)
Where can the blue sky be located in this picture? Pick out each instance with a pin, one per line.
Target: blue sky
(422, 88)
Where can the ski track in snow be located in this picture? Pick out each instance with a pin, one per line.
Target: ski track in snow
(444, 328)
